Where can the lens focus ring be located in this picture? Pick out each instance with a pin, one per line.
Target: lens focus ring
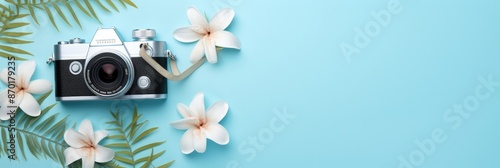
(109, 74)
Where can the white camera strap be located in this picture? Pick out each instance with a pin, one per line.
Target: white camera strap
(175, 75)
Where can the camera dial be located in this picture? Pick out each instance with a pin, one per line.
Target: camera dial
(143, 34)
(76, 41)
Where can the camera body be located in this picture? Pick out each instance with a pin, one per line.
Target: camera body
(107, 68)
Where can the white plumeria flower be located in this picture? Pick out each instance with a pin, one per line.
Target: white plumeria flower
(201, 126)
(23, 90)
(84, 145)
(209, 35)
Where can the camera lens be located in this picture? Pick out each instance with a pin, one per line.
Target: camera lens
(108, 74)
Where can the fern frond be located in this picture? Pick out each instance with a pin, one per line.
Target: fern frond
(125, 140)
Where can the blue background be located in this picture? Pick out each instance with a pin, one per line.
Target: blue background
(366, 112)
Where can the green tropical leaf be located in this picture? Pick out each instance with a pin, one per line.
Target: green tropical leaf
(51, 18)
(73, 14)
(126, 160)
(7, 55)
(79, 5)
(14, 25)
(52, 7)
(31, 146)
(124, 153)
(124, 141)
(118, 137)
(21, 144)
(148, 146)
(102, 6)
(45, 123)
(119, 145)
(60, 13)
(42, 98)
(33, 134)
(6, 9)
(19, 16)
(14, 40)
(110, 2)
(14, 50)
(123, 3)
(149, 159)
(4, 139)
(129, 3)
(91, 9)
(144, 134)
(145, 158)
(166, 164)
(33, 15)
(59, 126)
(16, 34)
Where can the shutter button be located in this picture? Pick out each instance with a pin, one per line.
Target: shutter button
(143, 82)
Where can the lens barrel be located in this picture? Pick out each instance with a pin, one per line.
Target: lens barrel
(108, 74)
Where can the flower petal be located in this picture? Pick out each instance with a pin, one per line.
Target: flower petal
(217, 133)
(210, 50)
(216, 112)
(88, 157)
(103, 154)
(29, 105)
(5, 112)
(39, 86)
(200, 30)
(3, 96)
(222, 19)
(198, 106)
(4, 76)
(196, 18)
(3, 104)
(200, 140)
(185, 111)
(225, 39)
(25, 70)
(186, 123)
(186, 144)
(198, 52)
(86, 129)
(99, 135)
(186, 35)
(71, 155)
(75, 139)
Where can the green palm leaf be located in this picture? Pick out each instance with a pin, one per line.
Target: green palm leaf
(13, 40)
(16, 34)
(102, 6)
(110, 2)
(64, 7)
(37, 135)
(9, 35)
(60, 13)
(124, 141)
(73, 14)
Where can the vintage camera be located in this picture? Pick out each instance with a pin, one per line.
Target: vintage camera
(108, 68)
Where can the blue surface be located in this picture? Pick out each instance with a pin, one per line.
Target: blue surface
(370, 110)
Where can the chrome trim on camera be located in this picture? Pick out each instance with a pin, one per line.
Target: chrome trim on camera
(74, 51)
(106, 37)
(78, 98)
